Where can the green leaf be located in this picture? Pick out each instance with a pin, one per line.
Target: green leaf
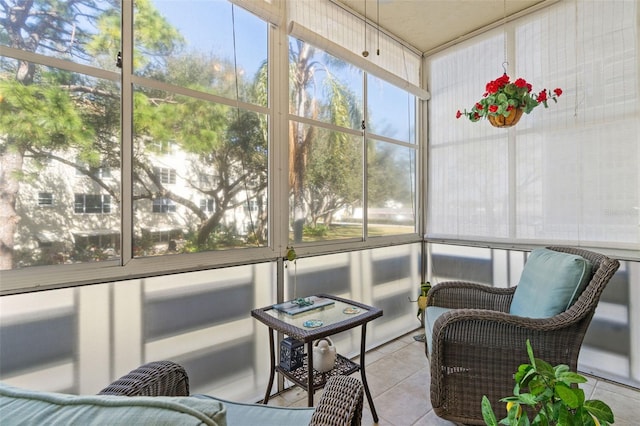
(487, 412)
(570, 377)
(532, 360)
(527, 399)
(523, 373)
(599, 409)
(545, 368)
(568, 395)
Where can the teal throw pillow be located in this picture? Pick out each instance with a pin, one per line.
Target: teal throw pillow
(550, 282)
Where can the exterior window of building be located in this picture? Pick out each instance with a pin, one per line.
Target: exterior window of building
(163, 205)
(92, 203)
(207, 205)
(45, 199)
(166, 175)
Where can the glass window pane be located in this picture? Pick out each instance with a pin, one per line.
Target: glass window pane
(326, 184)
(324, 87)
(48, 124)
(204, 43)
(86, 32)
(218, 154)
(391, 111)
(391, 181)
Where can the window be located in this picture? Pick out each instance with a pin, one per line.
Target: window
(207, 205)
(55, 63)
(252, 206)
(331, 134)
(92, 203)
(199, 108)
(166, 175)
(45, 199)
(206, 98)
(163, 205)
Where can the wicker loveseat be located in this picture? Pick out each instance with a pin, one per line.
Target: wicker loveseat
(158, 393)
(475, 342)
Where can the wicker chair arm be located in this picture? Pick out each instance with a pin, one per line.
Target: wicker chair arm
(462, 294)
(340, 404)
(158, 378)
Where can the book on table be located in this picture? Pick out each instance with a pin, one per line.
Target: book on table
(303, 304)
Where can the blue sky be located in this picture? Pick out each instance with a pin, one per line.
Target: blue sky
(207, 27)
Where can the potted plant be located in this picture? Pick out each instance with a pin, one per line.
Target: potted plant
(422, 297)
(504, 102)
(548, 394)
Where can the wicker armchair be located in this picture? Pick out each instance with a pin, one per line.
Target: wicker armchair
(478, 346)
(340, 404)
(158, 378)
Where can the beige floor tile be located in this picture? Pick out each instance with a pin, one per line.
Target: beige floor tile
(392, 346)
(624, 402)
(412, 354)
(371, 357)
(430, 419)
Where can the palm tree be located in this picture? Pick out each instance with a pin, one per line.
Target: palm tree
(340, 108)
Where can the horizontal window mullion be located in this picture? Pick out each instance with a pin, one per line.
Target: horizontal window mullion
(64, 276)
(62, 64)
(159, 85)
(325, 125)
(391, 140)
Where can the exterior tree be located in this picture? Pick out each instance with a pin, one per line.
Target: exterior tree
(34, 26)
(228, 144)
(66, 112)
(341, 109)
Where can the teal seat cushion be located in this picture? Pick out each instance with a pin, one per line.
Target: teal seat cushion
(550, 282)
(432, 313)
(264, 415)
(27, 407)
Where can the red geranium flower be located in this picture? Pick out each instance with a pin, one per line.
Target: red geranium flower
(542, 96)
(503, 96)
(521, 82)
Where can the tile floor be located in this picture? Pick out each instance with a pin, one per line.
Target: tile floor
(398, 376)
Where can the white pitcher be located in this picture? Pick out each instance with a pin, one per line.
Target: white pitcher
(324, 355)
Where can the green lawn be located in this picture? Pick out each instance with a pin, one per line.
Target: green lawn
(344, 231)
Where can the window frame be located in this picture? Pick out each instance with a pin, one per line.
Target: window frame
(324, 246)
(128, 266)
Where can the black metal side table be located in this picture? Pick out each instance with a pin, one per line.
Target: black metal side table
(337, 317)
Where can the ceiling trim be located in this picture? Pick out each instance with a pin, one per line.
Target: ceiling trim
(496, 24)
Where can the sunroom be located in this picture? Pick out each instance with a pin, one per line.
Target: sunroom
(166, 167)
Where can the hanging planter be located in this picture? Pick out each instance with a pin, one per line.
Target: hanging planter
(504, 102)
(508, 120)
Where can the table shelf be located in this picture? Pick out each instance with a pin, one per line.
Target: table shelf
(342, 367)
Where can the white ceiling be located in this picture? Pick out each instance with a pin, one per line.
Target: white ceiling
(428, 24)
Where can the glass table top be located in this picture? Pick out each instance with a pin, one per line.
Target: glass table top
(321, 316)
